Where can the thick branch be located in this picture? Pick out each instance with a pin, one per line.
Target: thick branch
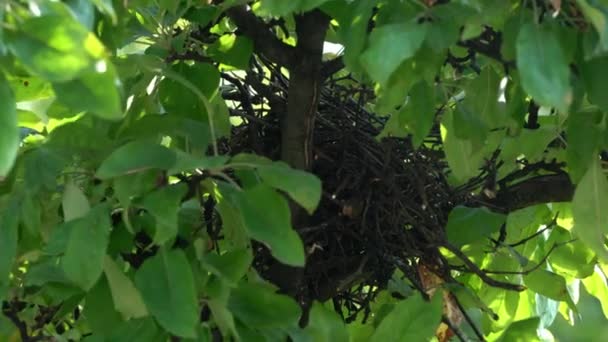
(265, 42)
(536, 190)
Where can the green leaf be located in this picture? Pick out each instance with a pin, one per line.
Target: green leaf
(524, 330)
(458, 152)
(416, 117)
(164, 205)
(231, 266)
(167, 287)
(96, 91)
(383, 56)
(278, 8)
(258, 306)
(590, 209)
(466, 225)
(413, 319)
(273, 230)
(55, 46)
(85, 250)
(585, 137)
(9, 224)
(571, 258)
(592, 72)
(74, 203)
(9, 130)
(548, 284)
(142, 329)
(543, 67)
(134, 157)
(597, 15)
(98, 309)
(326, 325)
(127, 299)
(232, 50)
(482, 97)
(302, 187)
(597, 286)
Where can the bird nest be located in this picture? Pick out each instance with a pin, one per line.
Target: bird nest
(384, 204)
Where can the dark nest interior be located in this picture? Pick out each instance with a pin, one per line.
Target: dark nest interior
(384, 205)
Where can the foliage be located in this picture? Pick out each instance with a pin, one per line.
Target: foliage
(207, 170)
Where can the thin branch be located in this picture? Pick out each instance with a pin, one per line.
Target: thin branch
(481, 274)
(332, 66)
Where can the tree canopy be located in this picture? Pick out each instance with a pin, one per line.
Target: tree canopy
(304, 170)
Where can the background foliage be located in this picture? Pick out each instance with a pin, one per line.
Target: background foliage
(162, 173)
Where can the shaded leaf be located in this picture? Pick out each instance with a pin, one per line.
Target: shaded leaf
(127, 299)
(167, 287)
(413, 319)
(273, 230)
(134, 157)
(74, 203)
(163, 204)
(302, 187)
(258, 306)
(383, 56)
(543, 67)
(466, 225)
(85, 250)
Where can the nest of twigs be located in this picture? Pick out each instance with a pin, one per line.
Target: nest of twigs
(384, 203)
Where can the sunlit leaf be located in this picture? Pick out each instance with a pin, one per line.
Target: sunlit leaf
(590, 209)
(9, 131)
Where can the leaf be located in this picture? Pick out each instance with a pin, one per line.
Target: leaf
(9, 130)
(96, 91)
(326, 325)
(585, 137)
(74, 203)
(142, 329)
(597, 15)
(459, 153)
(258, 306)
(543, 67)
(301, 186)
(590, 209)
(524, 330)
(231, 266)
(55, 46)
(416, 117)
(482, 97)
(273, 230)
(85, 250)
(383, 56)
(278, 8)
(592, 72)
(98, 309)
(134, 157)
(9, 224)
(164, 205)
(232, 50)
(549, 284)
(127, 299)
(167, 287)
(597, 286)
(466, 225)
(413, 319)
(572, 258)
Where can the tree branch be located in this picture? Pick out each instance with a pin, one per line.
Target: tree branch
(536, 190)
(265, 42)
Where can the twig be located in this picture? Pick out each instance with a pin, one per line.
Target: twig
(481, 274)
